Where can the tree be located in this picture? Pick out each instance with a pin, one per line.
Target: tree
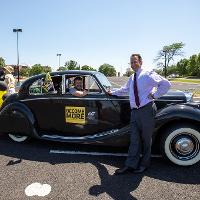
(2, 62)
(72, 65)
(107, 70)
(39, 69)
(88, 68)
(62, 68)
(35, 69)
(189, 67)
(24, 71)
(172, 70)
(168, 53)
(193, 67)
(47, 69)
(182, 67)
(129, 72)
(198, 64)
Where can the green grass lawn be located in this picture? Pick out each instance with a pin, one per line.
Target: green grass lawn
(184, 80)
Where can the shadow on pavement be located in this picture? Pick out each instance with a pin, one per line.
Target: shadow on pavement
(117, 187)
(39, 151)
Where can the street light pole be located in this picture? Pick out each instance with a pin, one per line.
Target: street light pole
(59, 54)
(15, 30)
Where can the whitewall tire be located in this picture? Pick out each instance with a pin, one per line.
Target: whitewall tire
(181, 145)
(18, 138)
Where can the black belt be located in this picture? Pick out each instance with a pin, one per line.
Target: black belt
(142, 106)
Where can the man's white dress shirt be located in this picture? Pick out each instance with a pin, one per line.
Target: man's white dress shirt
(146, 82)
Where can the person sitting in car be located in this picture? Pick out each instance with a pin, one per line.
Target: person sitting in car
(77, 90)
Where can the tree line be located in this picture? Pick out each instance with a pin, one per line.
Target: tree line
(185, 67)
(164, 58)
(106, 69)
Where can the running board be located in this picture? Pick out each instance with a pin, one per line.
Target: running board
(95, 153)
(89, 138)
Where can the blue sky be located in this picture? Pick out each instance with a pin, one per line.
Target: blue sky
(94, 32)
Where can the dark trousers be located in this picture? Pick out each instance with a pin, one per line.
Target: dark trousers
(142, 126)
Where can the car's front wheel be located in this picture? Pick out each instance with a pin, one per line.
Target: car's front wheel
(18, 138)
(181, 145)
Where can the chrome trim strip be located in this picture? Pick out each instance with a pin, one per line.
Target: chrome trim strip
(94, 153)
(98, 135)
(168, 100)
(104, 99)
(63, 84)
(66, 98)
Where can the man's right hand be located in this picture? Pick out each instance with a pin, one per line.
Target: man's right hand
(109, 92)
(85, 92)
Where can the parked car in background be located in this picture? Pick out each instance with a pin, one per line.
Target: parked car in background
(18, 85)
(3, 91)
(44, 109)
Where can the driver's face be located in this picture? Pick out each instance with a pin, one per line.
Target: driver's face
(78, 84)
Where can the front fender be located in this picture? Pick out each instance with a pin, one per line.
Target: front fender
(178, 111)
(17, 118)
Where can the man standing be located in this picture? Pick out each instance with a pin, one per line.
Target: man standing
(140, 87)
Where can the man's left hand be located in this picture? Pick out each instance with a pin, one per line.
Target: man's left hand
(151, 96)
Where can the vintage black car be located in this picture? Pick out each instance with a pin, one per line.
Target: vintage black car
(44, 109)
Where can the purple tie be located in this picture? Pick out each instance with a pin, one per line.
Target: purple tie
(137, 100)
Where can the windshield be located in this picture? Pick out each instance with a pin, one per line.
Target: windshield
(104, 81)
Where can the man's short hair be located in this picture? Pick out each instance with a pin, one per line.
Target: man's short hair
(138, 55)
(78, 78)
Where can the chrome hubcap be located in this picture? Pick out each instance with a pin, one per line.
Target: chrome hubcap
(184, 146)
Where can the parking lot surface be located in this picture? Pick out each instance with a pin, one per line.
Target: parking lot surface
(187, 87)
(52, 170)
(119, 81)
(85, 176)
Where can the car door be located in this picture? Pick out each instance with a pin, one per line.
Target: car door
(39, 101)
(81, 116)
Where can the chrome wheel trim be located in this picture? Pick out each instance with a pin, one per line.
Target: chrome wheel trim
(184, 146)
(18, 138)
(172, 154)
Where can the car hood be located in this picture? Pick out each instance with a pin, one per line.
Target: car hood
(172, 95)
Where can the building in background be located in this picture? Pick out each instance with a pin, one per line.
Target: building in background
(15, 68)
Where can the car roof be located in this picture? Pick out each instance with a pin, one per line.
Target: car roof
(80, 72)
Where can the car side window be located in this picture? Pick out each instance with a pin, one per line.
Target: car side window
(44, 86)
(89, 84)
(68, 84)
(36, 87)
(92, 86)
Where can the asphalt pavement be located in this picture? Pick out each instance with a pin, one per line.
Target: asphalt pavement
(186, 87)
(192, 87)
(33, 171)
(64, 176)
